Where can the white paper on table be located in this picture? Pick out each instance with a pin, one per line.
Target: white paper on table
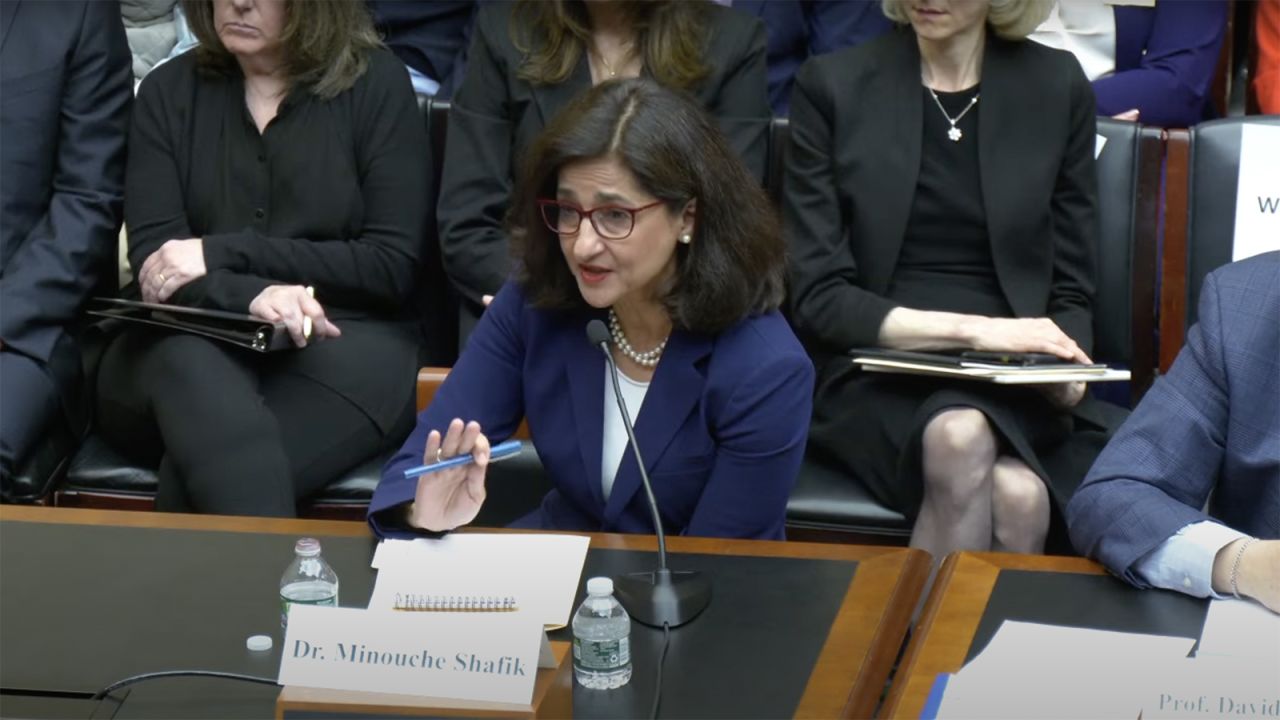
(1241, 629)
(1099, 142)
(541, 571)
(1257, 192)
(1033, 671)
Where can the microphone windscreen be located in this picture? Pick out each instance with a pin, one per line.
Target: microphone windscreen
(597, 333)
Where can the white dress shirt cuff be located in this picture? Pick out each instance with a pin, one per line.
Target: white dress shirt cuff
(1184, 562)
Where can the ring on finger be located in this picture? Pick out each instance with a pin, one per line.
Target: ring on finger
(439, 452)
(160, 276)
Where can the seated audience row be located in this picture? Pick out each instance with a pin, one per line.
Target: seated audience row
(280, 170)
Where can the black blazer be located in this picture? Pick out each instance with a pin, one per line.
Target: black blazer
(495, 116)
(852, 166)
(65, 95)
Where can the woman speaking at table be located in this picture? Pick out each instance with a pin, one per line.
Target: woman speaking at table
(631, 210)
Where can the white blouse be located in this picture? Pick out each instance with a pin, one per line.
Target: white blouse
(1086, 29)
(615, 433)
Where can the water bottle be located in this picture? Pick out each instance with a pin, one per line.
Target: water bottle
(308, 580)
(601, 639)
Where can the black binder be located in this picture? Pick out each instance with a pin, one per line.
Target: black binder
(246, 331)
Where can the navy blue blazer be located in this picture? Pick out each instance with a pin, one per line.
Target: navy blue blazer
(1166, 56)
(1211, 424)
(798, 29)
(722, 428)
(65, 94)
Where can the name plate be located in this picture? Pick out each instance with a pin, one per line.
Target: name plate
(1258, 192)
(456, 655)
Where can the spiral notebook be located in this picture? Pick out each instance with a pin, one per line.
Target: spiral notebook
(535, 573)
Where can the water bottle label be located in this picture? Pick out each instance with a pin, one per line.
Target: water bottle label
(601, 655)
(331, 601)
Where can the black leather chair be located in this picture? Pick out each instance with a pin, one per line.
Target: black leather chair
(830, 505)
(1128, 212)
(1200, 217)
(44, 468)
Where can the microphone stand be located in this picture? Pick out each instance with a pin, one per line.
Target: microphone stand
(663, 597)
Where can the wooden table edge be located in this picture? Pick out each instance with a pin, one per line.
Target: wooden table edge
(909, 692)
(345, 528)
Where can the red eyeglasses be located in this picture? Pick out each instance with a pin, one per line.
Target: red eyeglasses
(613, 222)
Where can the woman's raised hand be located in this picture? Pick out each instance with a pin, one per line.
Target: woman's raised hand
(448, 498)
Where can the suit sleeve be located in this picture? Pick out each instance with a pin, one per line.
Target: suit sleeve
(1155, 475)
(760, 436)
(1175, 75)
(827, 302)
(59, 263)
(376, 270)
(1074, 210)
(477, 182)
(742, 105)
(486, 385)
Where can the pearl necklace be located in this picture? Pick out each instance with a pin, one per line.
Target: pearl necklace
(644, 359)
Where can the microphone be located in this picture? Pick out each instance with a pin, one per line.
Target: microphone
(664, 597)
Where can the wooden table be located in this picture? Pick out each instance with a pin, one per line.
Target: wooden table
(846, 680)
(962, 612)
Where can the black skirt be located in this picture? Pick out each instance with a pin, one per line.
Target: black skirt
(870, 426)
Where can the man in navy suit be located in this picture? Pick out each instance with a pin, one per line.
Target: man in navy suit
(65, 93)
(1209, 431)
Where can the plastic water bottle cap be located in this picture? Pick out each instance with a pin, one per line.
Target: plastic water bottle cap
(258, 643)
(600, 586)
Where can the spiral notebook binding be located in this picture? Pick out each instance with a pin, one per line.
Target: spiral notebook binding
(413, 602)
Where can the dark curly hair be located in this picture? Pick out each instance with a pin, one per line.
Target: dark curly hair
(735, 265)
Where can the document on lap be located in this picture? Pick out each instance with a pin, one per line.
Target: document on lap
(538, 573)
(1009, 369)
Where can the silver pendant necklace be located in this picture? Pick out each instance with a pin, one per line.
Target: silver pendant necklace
(954, 133)
(647, 359)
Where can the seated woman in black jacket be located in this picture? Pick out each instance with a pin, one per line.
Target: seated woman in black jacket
(284, 157)
(940, 194)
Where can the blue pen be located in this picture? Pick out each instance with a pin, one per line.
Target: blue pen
(498, 452)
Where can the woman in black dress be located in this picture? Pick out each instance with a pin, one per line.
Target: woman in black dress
(940, 193)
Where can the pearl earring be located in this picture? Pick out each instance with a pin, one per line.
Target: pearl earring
(686, 238)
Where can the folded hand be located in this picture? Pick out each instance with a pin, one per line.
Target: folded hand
(175, 264)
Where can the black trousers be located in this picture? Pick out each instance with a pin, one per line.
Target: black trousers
(234, 432)
(29, 402)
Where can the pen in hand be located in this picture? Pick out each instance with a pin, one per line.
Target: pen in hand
(306, 319)
(498, 452)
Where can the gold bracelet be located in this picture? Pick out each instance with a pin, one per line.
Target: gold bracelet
(1235, 566)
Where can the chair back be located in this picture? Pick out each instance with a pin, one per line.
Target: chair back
(437, 306)
(779, 134)
(1128, 200)
(1200, 218)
